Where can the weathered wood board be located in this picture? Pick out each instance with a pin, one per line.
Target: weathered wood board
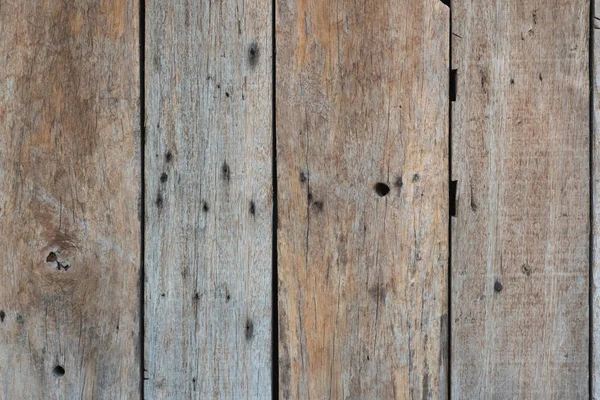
(595, 288)
(69, 193)
(520, 155)
(362, 108)
(209, 199)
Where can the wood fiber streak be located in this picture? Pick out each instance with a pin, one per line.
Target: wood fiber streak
(361, 99)
(69, 193)
(208, 199)
(520, 239)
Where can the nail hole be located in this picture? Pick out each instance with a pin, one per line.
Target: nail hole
(205, 207)
(58, 371)
(164, 177)
(498, 286)
(381, 189)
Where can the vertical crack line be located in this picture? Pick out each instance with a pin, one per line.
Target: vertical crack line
(591, 201)
(451, 98)
(142, 212)
(274, 254)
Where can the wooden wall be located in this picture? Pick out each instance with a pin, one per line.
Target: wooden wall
(299, 199)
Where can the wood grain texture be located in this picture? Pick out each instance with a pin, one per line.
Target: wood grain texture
(69, 193)
(595, 289)
(362, 98)
(520, 240)
(208, 199)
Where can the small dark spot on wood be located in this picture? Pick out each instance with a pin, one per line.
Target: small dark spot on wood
(303, 177)
(159, 200)
(253, 53)
(399, 183)
(368, 358)
(58, 371)
(498, 286)
(416, 178)
(526, 268)
(512, 81)
(168, 156)
(197, 296)
(205, 207)
(249, 329)
(2, 315)
(164, 177)
(309, 197)
(225, 171)
(318, 205)
(162, 295)
(117, 327)
(227, 297)
(227, 94)
(219, 86)
(540, 77)
(381, 189)
(252, 208)
(20, 319)
(51, 257)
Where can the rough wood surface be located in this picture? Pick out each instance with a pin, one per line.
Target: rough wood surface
(362, 98)
(595, 289)
(520, 154)
(208, 200)
(69, 191)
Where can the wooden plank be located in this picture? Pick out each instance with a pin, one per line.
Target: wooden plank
(69, 194)
(520, 240)
(208, 202)
(362, 99)
(595, 316)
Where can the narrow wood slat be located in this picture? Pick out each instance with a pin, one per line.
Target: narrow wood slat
(361, 99)
(520, 154)
(69, 194)
(595, 65)
(208, 199)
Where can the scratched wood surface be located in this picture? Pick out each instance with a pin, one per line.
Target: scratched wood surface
(362, 153)
(208, 200)
(520, 239)
(69, 191)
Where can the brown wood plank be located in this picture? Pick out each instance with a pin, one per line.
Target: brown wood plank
(520, 239)
(208, 200)
(362, 99)
(69, 194)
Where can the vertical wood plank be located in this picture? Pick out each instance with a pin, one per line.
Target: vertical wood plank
(595, 65)
(208, 199)
(520, 239)
(362, 107)
(69, 194)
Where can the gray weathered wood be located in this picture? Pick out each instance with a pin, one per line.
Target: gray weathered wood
(208, 199)
(520, 154)
(69, 192)
(595, 356)
(362, 98)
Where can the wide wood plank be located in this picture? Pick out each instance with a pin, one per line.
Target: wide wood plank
(208, 201)
(362, 153)
(520, 239)
(69, 195)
